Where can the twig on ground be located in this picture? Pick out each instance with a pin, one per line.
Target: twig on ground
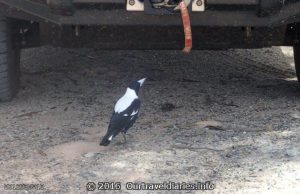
(27, 114)
(196, 148)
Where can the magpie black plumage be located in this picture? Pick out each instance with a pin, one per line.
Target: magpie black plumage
(125, 112)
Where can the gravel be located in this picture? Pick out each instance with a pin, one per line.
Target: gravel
(229, 117)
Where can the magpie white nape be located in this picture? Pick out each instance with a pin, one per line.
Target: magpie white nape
(125, 112)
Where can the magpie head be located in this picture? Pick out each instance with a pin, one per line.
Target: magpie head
(136, 85)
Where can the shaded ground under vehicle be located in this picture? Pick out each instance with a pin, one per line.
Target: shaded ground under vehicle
(113, 24)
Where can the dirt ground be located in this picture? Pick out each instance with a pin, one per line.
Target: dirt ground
(229, 117)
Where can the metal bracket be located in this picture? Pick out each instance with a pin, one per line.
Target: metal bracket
(135, 5)
(198, 5)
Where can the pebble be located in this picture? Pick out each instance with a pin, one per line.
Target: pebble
(292, 152)
(89, 154)
(87, 174)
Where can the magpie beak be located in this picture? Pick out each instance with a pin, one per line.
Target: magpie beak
(141, 81)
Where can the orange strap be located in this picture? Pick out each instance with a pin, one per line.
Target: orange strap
(187, 27)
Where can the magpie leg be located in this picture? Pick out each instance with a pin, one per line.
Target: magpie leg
(125, 141)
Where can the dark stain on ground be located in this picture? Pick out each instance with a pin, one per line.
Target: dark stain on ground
(167, 107)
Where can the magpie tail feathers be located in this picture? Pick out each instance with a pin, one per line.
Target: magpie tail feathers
(105, 141)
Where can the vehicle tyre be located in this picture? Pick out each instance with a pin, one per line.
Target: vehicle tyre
(9, 60)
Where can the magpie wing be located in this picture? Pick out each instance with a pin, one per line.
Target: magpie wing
(124, 120)
(133, 114)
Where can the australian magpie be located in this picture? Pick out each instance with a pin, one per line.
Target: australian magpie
(125, 113)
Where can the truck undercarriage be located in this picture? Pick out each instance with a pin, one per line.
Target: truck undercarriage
(222, 23)
(142, 24)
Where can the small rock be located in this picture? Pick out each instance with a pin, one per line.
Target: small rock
(89, 155)
(292, 152)
(269, 128)
(296, 115)
(169, 163)
(228, 155)
(87, 175)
